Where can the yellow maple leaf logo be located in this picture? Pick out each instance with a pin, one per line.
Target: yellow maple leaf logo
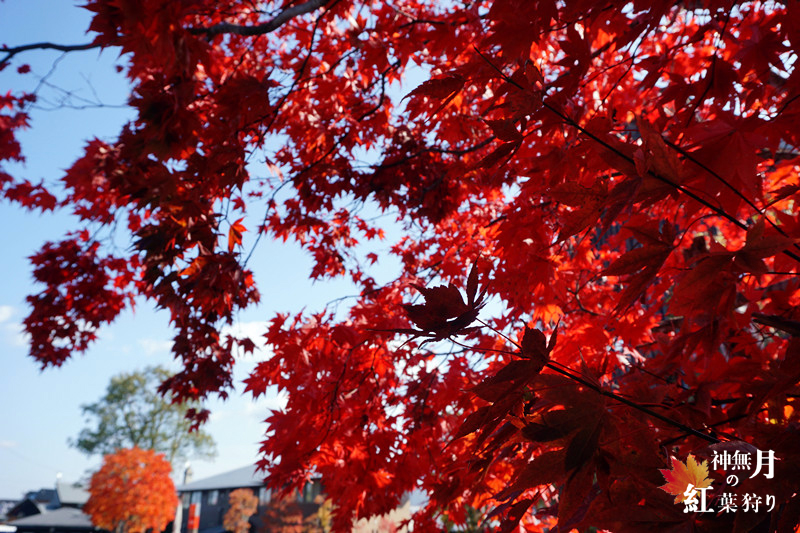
(683, 475)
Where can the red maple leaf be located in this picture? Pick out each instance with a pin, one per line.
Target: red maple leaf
(681, 476)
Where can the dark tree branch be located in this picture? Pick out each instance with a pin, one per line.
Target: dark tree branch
(267, 27)
(792, 327)
(569, 373)
(14, 50)
(223, 27)
(686, 429)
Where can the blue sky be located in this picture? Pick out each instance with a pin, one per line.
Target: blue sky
(41, 409)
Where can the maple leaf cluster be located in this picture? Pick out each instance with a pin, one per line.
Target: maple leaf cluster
(132, 492)
(624, 172)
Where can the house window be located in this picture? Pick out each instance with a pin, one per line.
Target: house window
(264, 495)
(309, 492)
(195, 498)
(185, 499)
(213, 497)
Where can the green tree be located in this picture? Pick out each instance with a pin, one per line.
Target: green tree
(133, 413)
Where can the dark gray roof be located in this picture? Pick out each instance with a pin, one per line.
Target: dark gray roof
(69, 494)
(27, 507)
(46, 496)
(66, 517)
(241, 477)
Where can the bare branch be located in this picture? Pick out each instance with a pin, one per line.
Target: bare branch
(271, 25)
(223, 27)
(14, 50)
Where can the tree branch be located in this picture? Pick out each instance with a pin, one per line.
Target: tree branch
(223, 27)
(271, 25)
(14, 50)
(792, 327)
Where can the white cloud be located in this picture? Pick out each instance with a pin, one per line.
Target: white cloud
(12, 330)
(8, 444)
(20, 337)
(252, 408)
(258, 409)
(277, 401)
(245, 409)
(255, 332)
(252, 330)
(6, 312)
(155, 346)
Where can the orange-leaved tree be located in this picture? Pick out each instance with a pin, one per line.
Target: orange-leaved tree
(132, 492)
(623, 172)
(243, 504)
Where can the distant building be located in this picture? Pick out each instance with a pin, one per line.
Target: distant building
(51, 511)
(5, 507)
(63, 520)
(34, 502)
(210, 495)
(39, 501)
(26, 507)
(71, 495)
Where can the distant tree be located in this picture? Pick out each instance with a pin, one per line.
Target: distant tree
(132, 492)
(243, 505)
(133, 414)
(324, 515)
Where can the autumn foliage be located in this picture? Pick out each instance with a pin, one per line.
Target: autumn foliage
(132, 492)
(625, 173)
(243, 504)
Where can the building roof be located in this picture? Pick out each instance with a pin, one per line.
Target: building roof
(26, 507)
(6, 506)
(247, 476)
(70, 494)
(45, 496)
(63, 518)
